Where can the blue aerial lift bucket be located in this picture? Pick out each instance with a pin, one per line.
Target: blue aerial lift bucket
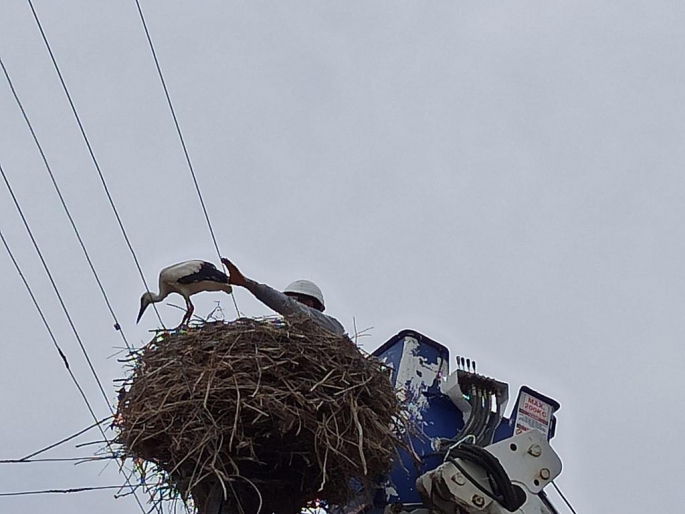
(419, 365)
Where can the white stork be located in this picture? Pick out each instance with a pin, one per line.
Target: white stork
(186, 278)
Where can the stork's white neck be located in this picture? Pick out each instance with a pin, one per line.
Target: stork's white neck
(158, 297)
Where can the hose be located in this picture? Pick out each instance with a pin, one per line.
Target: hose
(475, 422)
(468, 427)
(493, 422)
(487, 417)
(502, 491)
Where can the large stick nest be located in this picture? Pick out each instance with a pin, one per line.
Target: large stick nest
(286, 408)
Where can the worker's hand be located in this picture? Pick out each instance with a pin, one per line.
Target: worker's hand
(235, 277)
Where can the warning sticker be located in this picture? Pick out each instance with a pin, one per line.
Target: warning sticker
(532, 413)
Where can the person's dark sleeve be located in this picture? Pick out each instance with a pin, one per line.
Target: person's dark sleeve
(287, 306)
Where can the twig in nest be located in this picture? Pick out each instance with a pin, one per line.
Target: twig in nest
(294, 409)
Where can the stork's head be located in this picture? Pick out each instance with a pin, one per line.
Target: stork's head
(145, 300)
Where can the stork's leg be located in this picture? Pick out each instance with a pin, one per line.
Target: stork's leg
(189, 312)
(186, 317)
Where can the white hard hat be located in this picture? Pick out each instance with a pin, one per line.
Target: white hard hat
(307, 288)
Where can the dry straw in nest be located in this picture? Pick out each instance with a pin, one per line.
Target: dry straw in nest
(285, 408)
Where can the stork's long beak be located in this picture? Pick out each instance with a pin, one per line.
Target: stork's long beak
(143, 306)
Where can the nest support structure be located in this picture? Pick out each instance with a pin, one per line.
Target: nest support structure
(260, 413)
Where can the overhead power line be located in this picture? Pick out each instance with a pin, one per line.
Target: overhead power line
(102, 180)
(67, 315)
(66, 365)
(181, 138)
(98, 423)
(117, 325)
(47, 325)
(66, 439)
(92, 153)
(55, 288)
(568, 503)
(63, 491)
(178, 128)
(57, 459)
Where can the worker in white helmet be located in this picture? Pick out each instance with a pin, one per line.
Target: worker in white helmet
(300, 298)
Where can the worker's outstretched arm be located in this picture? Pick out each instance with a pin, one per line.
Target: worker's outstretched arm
(281, 303)
(288, 306)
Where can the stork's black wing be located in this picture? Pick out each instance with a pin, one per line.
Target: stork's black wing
(206, 273)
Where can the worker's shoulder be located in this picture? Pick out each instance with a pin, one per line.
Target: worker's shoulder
(329, 322)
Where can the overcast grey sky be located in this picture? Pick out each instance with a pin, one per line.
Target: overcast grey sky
(505, 177)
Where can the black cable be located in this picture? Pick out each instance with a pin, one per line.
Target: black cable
(487, 413)
(65, 459)
(117, 325)
(66, 439)
(47, 326)
(481, 412)
(467, 428)
(503, 491)
(66, 365)
(493, 423)
(568, 503)
(180, 136)
(92, 154)
(474, 417)
(61, 353)
(475, 482)
(55, 288)
(178, 128)
(62, 491)
(499, 480)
